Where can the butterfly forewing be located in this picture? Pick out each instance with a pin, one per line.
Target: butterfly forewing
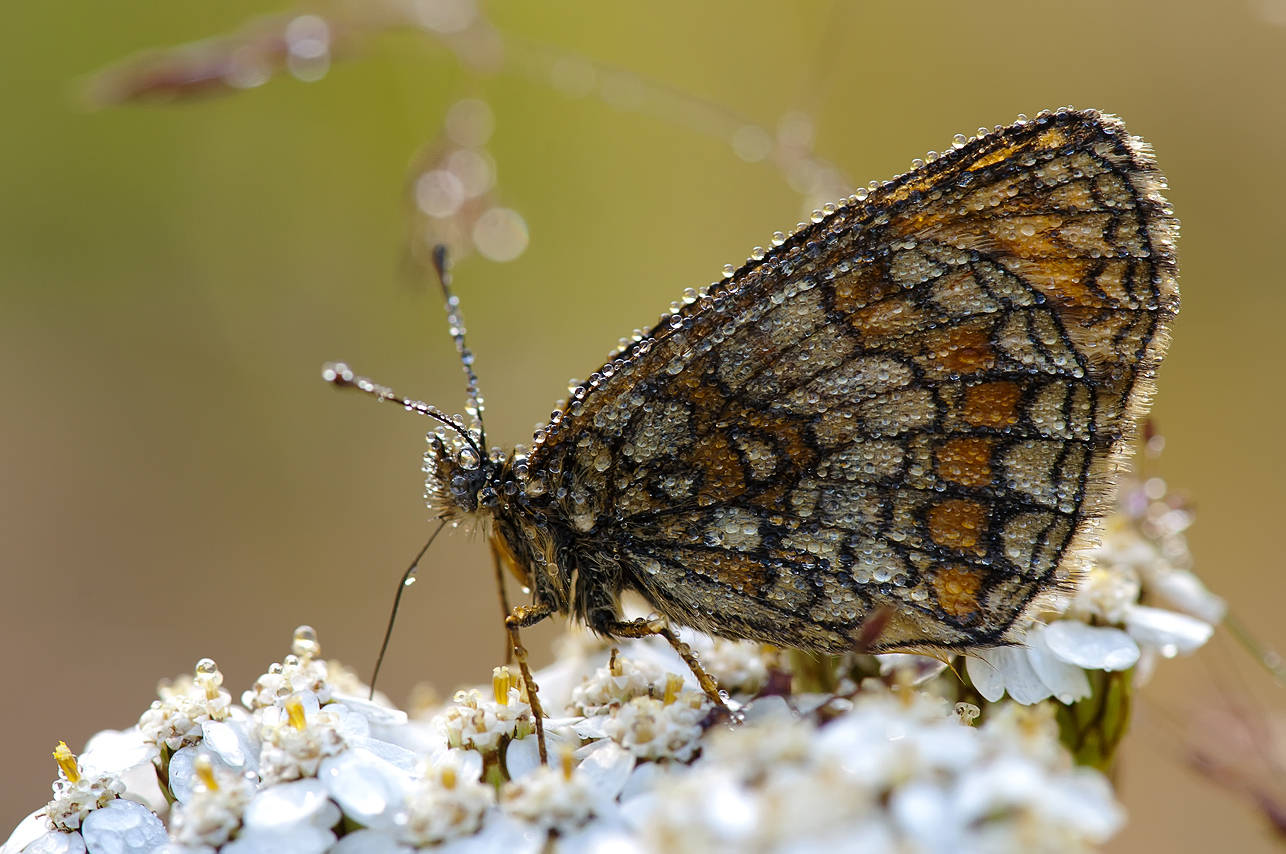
(914, 405)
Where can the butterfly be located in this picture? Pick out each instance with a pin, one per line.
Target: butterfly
(908, 413)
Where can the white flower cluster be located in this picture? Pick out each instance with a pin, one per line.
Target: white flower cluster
(638, 760)
(899, 771)
(184, 706)
(472, 721)
(638, 763)
(1142, 556)
(298, 672)
(76, 794)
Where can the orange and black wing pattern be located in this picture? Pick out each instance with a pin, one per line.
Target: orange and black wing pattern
(915, 405)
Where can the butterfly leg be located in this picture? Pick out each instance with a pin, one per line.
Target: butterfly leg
(523, 617)
(642, 628)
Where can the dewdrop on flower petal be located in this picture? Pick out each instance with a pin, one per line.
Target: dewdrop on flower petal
(304, 643)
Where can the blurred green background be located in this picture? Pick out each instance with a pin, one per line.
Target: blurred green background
(179, 483)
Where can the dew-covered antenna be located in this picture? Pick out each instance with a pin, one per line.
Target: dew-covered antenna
(340, 375)
(408, 578)
(455, 323)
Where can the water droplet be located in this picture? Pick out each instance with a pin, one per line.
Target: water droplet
(439, 193)
(500, 234)
(470, 122)
(304, 643)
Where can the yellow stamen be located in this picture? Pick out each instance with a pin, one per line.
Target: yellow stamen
(295, 713)
(614, 665)
(447, 776)
(67, 762)
(501, 682)
(903, 685)
(204, 770)
(567, 761)
(673, 685)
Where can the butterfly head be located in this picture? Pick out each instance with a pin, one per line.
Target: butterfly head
(460, 482)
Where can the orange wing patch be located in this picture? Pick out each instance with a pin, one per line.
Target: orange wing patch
(966, 461)
(958, 523)
(956, 588)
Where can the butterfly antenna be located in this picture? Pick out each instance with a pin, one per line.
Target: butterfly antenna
(455, 322)
(408, 578)
(340, 375)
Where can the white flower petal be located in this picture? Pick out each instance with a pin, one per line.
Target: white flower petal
(1021, 681)
(1170, 631)
(592, 727)
(51, 842)
(182, 776)
(731, 811)
(401, 758)
(1148, 658)
(597, 839)
(1006, 668)
(499, 833)
(368, 841)
(307, 699)
(374, 713)
(178, 848)
(641, 781)
(985, 675)
(1091, 647)
(1007, 782)
(34, 826)
(287, 806)
(924, 815)
(608, 768)
(230, 743)
(1084, 801)
(301, 839)
(350, 724)
(1066, 681)
(949, 746)
(766, 710)
(115, 752)
(922, 667)
(1185, 591)
(369, 790)
(522, 756)
(123, 827)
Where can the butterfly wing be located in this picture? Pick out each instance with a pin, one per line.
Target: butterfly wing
(916, 404)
